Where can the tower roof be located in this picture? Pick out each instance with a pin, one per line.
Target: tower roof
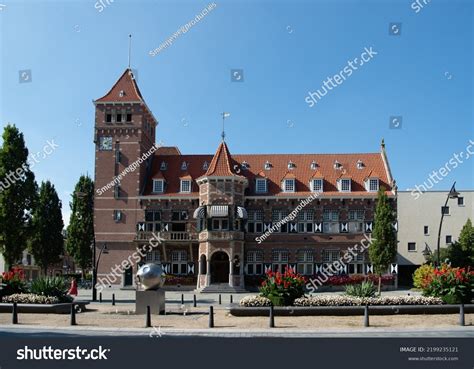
(221, 163)
(124, 90)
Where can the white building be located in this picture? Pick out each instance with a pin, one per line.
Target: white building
(419, 217)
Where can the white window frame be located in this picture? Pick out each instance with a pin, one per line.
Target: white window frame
(179, 258)
(319, 187)
(254, 260)
(286, 185)
(185, 186)
(156, 189)
(408, 246)
(257, 187)
(280, 259)
(305, 260)
(341, 184)
(368, 185)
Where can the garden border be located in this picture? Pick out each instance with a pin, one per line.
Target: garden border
(63, 308)
(237, 310)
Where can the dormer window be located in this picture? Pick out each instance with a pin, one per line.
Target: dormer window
(360, 164)
(121, 93)
(158, 186)
(314, 165)
(261, 185)
(185, 185)
(245, 165)
(337, 165)
(205, 165)
(184, 166)
(316, 185)
(163, 165)
(268, 165)
(344, 185)
(288, 185)
(372, 184)
(291, 165)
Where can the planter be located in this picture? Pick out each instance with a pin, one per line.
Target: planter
(43, 308)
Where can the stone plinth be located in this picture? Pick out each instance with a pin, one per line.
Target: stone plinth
(153, 298)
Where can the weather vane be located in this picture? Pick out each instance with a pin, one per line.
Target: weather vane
(224, 115)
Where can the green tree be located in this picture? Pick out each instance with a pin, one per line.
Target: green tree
(466, 243)
(47, 242)
(383, 248)
(80, 232)
(17, 195)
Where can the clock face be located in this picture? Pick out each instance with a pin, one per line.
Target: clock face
(105, 143)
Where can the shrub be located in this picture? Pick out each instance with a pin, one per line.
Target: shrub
(421, 275)
(361, 301)
(30, 298)
(341, 280)
(14, 282)
(255, 301)
(365, 289)
(453, 285)
(51, 287)
(282, 289)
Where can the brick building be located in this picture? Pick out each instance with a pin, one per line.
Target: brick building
(210, 209)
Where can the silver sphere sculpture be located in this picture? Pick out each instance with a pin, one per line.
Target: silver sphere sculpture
(151, 276)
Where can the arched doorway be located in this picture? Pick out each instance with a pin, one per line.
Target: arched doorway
(220, 267)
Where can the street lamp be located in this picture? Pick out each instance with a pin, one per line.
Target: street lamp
(426, 252)
(453, 194)
(95, 266)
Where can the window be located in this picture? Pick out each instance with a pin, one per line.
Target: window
(179, 262)
(373, 185)
(449, 240)
(445, 210)
(305, 262)
(255, 262)
(360, 164)
(185, 185)
(305, 221)
(278, 215)
(153, 257)
(179, 216)
(153, 221)
(163, 165)
(220, 224)
(291, 165)
(158, 186)
(267, 165)
(331, 215)
(317, 185)
(205, 165)
(280, 260)
(261, 185)
(411, 246)
(461, 201)
(426, 230)
(117, 215)
(118, 118)
(289, 185)
(337, 165)
(330, 256)
(255, 221)
(108, 118)
(345, 185)
(117, 191)
(356, 219)
(244, 165)
(357, 214)
(314, 165)
(184, 166)
(129, 117)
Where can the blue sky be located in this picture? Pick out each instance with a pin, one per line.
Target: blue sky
(285, 48)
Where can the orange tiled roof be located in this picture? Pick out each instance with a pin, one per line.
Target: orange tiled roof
(125, 89)
(223, 164)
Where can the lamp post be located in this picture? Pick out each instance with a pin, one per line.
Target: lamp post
(453, 194)
(426, 252)
(95, 266)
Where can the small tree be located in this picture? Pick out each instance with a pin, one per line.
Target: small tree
(17, 195)
(383, 248)
(466, 243)
(47, 242)
(80, 232)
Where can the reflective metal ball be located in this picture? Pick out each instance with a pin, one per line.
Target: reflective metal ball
(151, 276)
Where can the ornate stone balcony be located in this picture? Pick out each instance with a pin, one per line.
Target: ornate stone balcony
(221, 235)
(167, 236)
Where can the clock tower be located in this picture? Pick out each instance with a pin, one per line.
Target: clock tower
(124, 134)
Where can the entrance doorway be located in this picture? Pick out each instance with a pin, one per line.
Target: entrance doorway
(220, 267)
(128, 277)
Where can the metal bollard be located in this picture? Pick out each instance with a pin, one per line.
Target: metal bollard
(211, 317)
(271, 322)
(100, 297)
(366, 316)
(113, 299)
(461, 315)
(220, 299)
(182, 299)
(73, 315)
(231, 299)
(194, 301)
(148, 317)
(14, 314)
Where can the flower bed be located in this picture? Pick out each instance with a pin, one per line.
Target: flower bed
(30, 298)
(172, 280)
(255, 301)
(360, 301)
